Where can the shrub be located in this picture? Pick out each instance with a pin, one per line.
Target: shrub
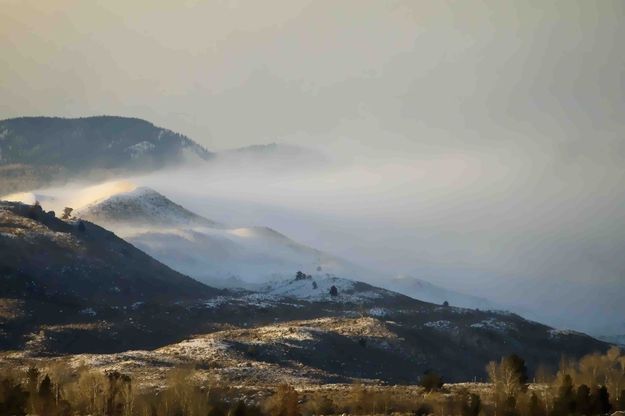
(431, 381)
(283, 403)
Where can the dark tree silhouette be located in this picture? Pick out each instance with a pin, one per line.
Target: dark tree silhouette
(471, 405)
(32, 379)
(424, 410)
(67, 213)
(14, 397)
(334, 291)
(35, 211)
(600, 401)
(117, 383)
(314, 285)
(431, 381)
(536, 407)
(620, 401)
(445, 303)
(582, 400)
(565, 401)
(46, 400)
(302, 276)
(518, 367)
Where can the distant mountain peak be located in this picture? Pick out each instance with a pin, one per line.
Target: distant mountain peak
(35, 151)
(142, 205)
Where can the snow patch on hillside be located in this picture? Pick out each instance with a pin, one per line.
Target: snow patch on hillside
(493, 324)
(139, 149)
(378, 312)
(442, 325)
(318, 288)
(558, 333)
(139, 206)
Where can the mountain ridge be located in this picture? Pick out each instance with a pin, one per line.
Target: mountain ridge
(37, 151)
(59, 302)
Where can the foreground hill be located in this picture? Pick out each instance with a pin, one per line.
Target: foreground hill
(56, 272)
(373, 344)
(36, 150)
(83, 260)
(390, 348)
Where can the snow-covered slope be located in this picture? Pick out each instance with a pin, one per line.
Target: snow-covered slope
(237, 257)
(139, 207)
(248, 254)
(218, 255)
(426, 291)
(212, 253)
(316, 288)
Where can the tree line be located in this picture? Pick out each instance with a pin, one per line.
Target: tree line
(593, 385)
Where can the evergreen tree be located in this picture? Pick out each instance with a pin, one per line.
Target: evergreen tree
(47, 403)
(32, 383)
(564, 404)
(471, 405)
(13, 397)
(431, 381)
(535, 406)
(600, 401)
(620, 401)
(582, 400)
(517, 366)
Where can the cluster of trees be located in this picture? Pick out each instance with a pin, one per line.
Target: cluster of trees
(302, 276)
(61, 391)
(594, 385)
(37, 213)
(376, 400)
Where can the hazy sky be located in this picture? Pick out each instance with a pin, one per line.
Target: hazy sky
(387, 74)
(478, 144)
